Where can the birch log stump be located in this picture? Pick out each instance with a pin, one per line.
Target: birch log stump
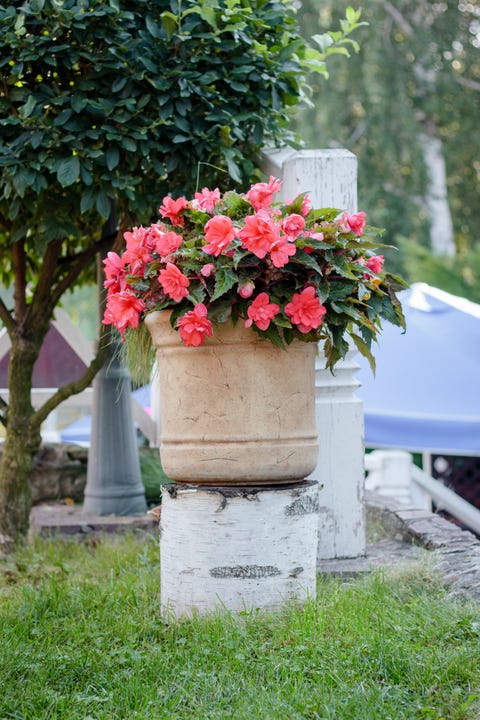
(237, 548)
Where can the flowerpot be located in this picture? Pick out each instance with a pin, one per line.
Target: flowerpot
(237, 410)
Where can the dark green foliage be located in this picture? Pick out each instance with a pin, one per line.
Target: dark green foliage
(123, 99)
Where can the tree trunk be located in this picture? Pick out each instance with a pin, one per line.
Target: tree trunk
(441, 226)
(22, 443)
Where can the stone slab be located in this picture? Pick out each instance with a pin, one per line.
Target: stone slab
(64, 519)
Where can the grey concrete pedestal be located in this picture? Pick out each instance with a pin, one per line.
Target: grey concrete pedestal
(114, 485)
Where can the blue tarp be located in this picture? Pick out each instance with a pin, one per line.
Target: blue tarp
(425, 395)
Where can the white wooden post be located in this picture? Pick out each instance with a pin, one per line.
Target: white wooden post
(330, 178)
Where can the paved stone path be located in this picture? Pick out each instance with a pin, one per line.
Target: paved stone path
(408, 534)
(456, 551)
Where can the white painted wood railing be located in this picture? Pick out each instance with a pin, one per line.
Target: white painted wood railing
(392, 473)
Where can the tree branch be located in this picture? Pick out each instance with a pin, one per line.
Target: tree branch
(3, 413)
(49, 265)
(81, 261)
(19, 263)
(6, 318)
(397, 16)
(466, 82)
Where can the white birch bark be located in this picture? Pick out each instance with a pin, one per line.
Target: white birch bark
(441, 226)
(237, 548)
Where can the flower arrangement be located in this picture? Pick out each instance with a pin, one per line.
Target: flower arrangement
(285, 270)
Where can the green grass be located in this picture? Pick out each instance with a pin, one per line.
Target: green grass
(81, 638)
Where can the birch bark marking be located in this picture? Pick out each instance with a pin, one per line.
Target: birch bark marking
(330, 178)
(237, 548)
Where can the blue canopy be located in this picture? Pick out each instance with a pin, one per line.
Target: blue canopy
(425, 395)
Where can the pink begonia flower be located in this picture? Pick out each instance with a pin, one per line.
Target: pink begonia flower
(281, 252)
(173, 282)
(354, 222)
(123, 310)
(136, 236)
(306, 205)
(259, 234)
(293, 225)
(207, 269)
(246, 290)
(207, 199)
(153, 233)
(172, 209)
(260, 195)
(219, 233)
(261, 312)
(167, 242)
(316, 236)
(375, 263)
(305, 310)
(138, 252)
(115, 272)
(194, 326)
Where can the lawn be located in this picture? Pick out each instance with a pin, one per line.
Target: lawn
(81, 638)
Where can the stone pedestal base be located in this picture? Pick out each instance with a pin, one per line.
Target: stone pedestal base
(237, 548)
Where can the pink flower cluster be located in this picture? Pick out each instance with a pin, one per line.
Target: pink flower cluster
(209, 253)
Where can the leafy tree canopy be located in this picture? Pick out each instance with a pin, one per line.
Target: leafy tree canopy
(122, 99)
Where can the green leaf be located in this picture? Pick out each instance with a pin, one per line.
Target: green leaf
(233, 169)
(197, 293)
(225, 279)
(220, 311)
(78, 103)
(64, 117)
(87, 200)
(129, 144)
(169, 23)
(323, 214)
(112, 157)
(340, 289)
(68, 171)
(119, 84)
(391, 309)
(26, 110)
(36, 139)
(207, 13)
(272, 334)
(324, 41)
(342, 265)
(103, 204)
(303, 258)
(363, 348)
(152, 27)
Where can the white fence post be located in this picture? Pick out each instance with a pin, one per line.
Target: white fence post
(330, 178)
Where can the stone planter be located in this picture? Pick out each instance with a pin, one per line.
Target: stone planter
(236, 410)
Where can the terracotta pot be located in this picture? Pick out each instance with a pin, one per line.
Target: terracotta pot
(236, 410)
